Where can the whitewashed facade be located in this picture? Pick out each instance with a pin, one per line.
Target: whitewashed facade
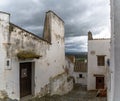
(80, 72)
(45, 70)
(97, 71)
(80, 80)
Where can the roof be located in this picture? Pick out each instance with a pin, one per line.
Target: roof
(80, 66)
(101, 39)
(71, 58)
(4, 12)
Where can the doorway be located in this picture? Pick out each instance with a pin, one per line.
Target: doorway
(25, 79)
(99, 82)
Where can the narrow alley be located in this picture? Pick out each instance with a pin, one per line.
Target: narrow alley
(79, 93)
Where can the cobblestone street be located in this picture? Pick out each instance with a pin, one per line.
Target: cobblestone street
(77, 94)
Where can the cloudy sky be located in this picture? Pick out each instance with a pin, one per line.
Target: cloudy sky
(79, 16)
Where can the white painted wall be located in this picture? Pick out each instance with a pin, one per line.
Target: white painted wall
(48, 66)
(100, 47)
(114, 84)
(83, 80)
(110, 91)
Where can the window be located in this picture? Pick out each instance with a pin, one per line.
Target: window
(101, 60)
(8, 62)
(80, 76)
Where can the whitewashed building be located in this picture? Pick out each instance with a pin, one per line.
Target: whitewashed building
(31, 65)
(114, 70)
(80, 72)
(98, 56)
(77, 69)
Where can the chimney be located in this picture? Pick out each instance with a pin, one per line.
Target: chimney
(90, 36)
(47, 27)
(53, 28)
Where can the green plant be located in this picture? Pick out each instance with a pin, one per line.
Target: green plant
(27, 55)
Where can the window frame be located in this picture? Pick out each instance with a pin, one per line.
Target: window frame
(100, 60)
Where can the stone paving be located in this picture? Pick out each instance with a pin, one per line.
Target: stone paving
(79, 93)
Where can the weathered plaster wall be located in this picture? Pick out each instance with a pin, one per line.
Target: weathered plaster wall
(48, 66)
(23, 40)
(61, 84)
(4, 31)
(69, 66)
(96, 47)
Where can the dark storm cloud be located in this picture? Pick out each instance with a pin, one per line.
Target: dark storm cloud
(79, 16)
(76, 44)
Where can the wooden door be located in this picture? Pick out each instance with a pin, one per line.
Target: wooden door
(25, 79)
(99, 82)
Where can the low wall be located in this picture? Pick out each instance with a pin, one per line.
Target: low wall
(61, 84)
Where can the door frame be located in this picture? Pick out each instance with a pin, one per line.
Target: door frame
(32, 77)
(103, 86)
